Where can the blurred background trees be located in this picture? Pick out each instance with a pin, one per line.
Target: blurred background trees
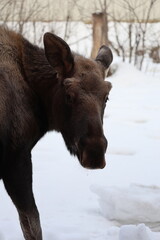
(130, 27)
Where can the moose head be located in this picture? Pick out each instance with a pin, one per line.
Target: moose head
(83, 94)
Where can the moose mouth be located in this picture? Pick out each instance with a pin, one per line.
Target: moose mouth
(90, 158)
(89, 151)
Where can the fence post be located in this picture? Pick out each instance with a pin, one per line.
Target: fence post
(100, 31)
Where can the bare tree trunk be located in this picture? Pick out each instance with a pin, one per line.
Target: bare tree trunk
(130, 42)
(121, 46)
(100, 32)
(137, 42)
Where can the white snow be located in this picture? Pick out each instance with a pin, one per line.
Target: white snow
(120, 202)
(135, 204)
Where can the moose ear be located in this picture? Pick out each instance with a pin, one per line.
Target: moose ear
(104, 56)
(58, 54)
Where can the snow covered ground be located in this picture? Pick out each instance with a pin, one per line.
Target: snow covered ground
(120, 202)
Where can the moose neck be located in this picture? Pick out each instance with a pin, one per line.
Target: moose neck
(43, 81)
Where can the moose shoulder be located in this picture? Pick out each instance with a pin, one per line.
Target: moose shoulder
(42, 90)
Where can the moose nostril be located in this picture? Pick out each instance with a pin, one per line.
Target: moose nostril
(103, 165)
(105, 143)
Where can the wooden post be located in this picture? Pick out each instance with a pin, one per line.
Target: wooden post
(100, 32)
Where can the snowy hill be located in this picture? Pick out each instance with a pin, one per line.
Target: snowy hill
(78, 204)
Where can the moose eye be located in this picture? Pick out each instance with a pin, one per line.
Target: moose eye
(69, 99)
(82, 75)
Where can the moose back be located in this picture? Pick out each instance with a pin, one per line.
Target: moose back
(42, 90)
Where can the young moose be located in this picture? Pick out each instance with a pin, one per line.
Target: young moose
(43, 90)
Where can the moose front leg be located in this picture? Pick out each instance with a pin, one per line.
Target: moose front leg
(17, 179)
(30, 224)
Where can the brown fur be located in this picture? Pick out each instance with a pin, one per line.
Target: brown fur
(43, 90)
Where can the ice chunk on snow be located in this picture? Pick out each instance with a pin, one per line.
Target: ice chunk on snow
(140, 232)
(132, 232)
(1, 236)
(132, 205)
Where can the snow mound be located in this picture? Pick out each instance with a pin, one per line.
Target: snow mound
(133, 205)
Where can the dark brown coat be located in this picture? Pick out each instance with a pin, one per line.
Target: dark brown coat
(43, 90)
